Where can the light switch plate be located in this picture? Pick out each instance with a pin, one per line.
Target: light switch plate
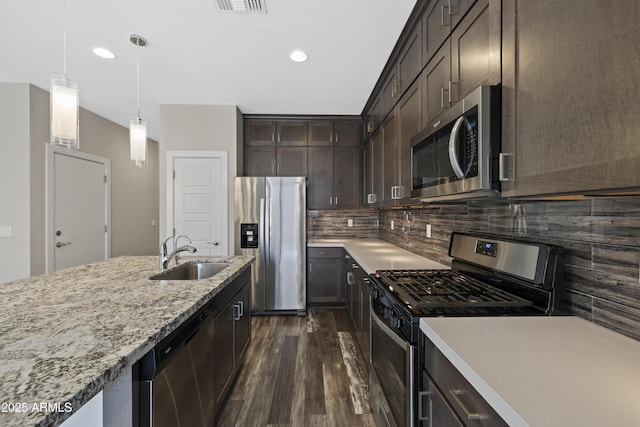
(6, 231)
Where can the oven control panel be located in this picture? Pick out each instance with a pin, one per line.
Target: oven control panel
(484, 247)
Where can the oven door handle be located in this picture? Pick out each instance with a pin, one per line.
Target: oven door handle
(401, 343)
(453, 148)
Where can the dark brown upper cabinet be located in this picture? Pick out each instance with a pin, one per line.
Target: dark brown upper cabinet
(570, 98)
(272, 132)
(334, 133)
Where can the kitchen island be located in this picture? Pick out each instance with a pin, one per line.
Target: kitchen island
(67, 335)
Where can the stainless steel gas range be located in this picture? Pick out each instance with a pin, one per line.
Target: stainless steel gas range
(490, 276)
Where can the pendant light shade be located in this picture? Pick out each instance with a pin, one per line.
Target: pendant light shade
(64, 102)
(138, 141)
(64, 112)
(138, 126)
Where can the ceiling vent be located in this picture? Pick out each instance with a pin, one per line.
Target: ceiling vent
(241, 6)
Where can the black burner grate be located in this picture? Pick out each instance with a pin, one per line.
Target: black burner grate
(430, 289)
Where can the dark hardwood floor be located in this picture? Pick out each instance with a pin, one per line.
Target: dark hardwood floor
(300, 371)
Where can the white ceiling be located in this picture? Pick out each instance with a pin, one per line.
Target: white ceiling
(198, 55)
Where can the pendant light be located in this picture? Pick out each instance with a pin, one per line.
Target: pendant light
(138, 126)
(64, 103)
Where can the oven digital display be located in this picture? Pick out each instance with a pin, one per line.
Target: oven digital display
(484, 247)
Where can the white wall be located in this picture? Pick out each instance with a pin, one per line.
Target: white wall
(14, 181)
(200, 128)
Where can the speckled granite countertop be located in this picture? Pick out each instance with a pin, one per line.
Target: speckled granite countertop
(65, 335)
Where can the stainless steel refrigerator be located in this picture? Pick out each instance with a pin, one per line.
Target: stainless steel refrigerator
(270, 223)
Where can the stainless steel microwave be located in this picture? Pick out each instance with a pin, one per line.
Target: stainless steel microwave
(456, 156)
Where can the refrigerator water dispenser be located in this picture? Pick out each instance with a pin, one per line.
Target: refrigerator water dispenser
(249, 236)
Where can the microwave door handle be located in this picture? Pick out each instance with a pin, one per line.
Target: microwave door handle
(453, 148)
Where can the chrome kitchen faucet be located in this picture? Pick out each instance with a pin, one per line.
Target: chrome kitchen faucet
(165, 258)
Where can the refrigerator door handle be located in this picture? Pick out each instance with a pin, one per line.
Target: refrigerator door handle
(261, 231)
(267, 230)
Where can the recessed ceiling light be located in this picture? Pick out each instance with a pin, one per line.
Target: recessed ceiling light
(298, 56)
(104, 53)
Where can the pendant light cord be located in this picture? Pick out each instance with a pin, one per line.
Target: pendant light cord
(64, 37)
(138, 80)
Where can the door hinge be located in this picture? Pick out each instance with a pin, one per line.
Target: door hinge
(105, 179)
(106, 228)
(174, 174)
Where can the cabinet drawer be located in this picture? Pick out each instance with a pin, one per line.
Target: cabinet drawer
(324, 252)
(463, 398)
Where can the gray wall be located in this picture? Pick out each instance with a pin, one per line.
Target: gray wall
(200, 128)
(14, 180)
(601, 238)
(24, 120)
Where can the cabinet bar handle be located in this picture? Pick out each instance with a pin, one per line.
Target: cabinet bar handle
(278, 136)
(337, 137)
(336, 200)
(330, 200)
(235, 308)
(273, 137)
(421, 414)
(456, 397)
(330, 136)
(502, 175)
(442, 91)
(450, 92)
(241, 305)
(444, 24)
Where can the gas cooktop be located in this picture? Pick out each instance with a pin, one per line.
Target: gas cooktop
(429, 289)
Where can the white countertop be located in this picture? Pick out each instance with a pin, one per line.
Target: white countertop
(375, 254)
(545, 371)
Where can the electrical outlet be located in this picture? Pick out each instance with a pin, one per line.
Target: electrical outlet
(349, 223)
(392, 224)
(428, 233)
(6, 231)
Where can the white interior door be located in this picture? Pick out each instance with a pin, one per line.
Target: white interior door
(200, 202)
(78, 229)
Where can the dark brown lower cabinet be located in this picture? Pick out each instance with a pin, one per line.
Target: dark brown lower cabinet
(447, 399)
(324, 277)
(231, 336)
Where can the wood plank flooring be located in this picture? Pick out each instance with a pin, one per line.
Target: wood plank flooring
(300, 371)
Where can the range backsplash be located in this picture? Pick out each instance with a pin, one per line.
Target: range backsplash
(601, 238)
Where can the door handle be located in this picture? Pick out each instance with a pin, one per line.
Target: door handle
(453, 148)
(213, 243)
(60, 244)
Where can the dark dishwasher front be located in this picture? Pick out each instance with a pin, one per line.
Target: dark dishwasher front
(173, 383)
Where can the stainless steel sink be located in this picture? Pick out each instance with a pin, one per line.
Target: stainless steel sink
(192, 270)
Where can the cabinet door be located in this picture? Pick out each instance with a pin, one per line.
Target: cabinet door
(292, 132)
(292, 161)
(377, 148)
(346, 177)
(243, 324)
(436, 84)
(259, 132)
(320, 174)
(475, 49)
(570, 97)
(321, 133)
(436, 27)
(356, 313)
(367, 165)
(377, 111)
(259, 161)
(410, 112)
(346, 133)
(410, 60)
(390, 144)
(433, 409)
(366, 321)
(223, 366)
(324, 281)
(389, 92)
